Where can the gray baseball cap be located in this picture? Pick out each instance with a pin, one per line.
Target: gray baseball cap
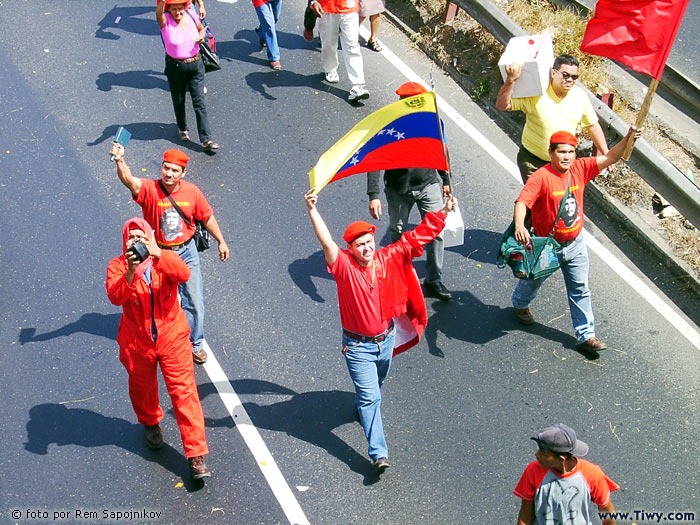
(560, 438)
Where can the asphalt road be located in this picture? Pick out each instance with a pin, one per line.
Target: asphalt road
(459, 408)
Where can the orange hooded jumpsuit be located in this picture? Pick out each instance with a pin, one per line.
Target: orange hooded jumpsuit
(154, 310)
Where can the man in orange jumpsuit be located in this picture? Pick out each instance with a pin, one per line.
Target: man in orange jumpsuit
(153, 330)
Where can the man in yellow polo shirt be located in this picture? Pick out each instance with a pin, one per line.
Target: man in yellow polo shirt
(561, 108)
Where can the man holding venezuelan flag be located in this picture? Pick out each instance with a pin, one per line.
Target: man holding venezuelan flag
(378, 292)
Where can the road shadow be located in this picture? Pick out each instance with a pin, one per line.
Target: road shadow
(129, 19)
(103, 325)
(479, 245)
(148, 131)
(261, 81)
(302, 270)
(488, 322)
(144, 79)
(310, 417)
(53, 423)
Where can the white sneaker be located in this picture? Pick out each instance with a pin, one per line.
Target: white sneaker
(358, 92)
(332, 77)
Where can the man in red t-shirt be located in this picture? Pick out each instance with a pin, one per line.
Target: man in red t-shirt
(542, 195)
(376, 291)
(560, 487)
(173, 232)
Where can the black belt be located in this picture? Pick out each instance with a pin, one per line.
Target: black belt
(370, 338)
(184, 60)
(175, 246)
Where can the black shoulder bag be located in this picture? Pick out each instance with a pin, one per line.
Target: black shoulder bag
(201, 235)
(538, 259)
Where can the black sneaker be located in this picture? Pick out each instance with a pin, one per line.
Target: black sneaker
(438, 290)
(154, 437)
(380, 465)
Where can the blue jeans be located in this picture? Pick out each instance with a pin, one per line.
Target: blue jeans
(268, 15)
(368, 364)
(573, 260)
(191, 294)
(400, 205)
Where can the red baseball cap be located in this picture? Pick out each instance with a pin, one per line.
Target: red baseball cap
(563, 137)
(410, 89)
(357, 228)
(176, 157)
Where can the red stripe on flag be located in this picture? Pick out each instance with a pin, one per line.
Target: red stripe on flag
(406, 153)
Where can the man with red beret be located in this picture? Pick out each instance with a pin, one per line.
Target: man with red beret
(542, 195)
(174, 230)
(153, 331)
(377, 290)
(405, 187)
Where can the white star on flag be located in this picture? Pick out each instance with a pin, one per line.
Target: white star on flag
(354, 160)
(399, 136)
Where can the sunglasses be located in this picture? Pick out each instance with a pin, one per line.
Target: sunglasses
(565, 75)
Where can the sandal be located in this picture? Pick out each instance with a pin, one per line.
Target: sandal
(374, 45)
(184, 136)
(210, 146)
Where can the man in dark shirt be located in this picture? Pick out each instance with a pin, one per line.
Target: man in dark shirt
(405, 187)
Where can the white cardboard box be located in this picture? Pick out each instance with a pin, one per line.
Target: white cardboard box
(536, 54)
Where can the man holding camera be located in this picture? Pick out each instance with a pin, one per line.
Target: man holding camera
(159, 212)
(153, 330)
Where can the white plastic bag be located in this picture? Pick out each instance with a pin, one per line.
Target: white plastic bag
(453, 234)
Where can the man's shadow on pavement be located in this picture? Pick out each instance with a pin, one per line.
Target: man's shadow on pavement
(302, 270)
(128, 19)
(467, 319)
(53, 423)
(144, 79)
(310, 417)
(103, 325)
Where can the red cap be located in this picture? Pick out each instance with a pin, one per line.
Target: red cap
(187, 3)
(563, 137)
(176, 157)
(410, 89)
(357, 228)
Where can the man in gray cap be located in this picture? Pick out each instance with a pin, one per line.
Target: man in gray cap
(559, 487)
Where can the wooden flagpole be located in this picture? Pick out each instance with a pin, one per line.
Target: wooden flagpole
(641, 117)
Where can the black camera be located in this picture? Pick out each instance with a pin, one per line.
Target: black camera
(139, 250)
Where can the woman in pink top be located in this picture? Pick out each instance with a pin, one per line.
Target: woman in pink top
(182, 32)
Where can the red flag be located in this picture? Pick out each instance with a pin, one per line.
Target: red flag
(638, 33)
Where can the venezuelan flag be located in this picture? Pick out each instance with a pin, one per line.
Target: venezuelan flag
(405, 134)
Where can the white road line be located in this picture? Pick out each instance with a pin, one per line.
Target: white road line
(613, 262)
(255, 443)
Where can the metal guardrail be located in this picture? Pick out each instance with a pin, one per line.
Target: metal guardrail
(683, 89)
(653, 167)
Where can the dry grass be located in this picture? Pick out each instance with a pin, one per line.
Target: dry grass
(464, 46)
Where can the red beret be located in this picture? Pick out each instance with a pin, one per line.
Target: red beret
(410, 89)
(563, 137)
(356, 229)
(176, 157)
(187, 3)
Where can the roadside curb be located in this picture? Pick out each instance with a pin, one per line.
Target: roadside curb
(625, 217)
